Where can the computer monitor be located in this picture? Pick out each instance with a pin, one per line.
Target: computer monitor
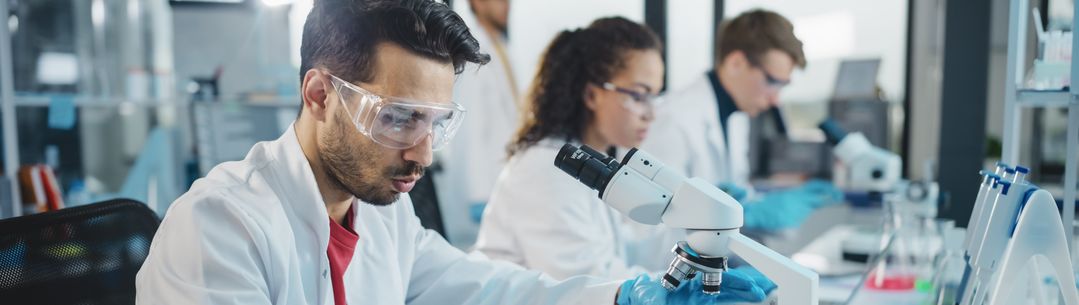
(856, 80)
(855, 103)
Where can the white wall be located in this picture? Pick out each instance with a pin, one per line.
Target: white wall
(251, 42)
(534, 23)
(838, 29)
(690, 40)
(927, 56)
(832, 30)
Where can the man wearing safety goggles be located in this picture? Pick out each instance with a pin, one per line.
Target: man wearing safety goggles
(318, 216)
(704, 129)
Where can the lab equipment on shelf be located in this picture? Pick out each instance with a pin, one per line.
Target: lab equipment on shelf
(41, 191)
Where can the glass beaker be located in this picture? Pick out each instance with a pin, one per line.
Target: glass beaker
(908, 262)
(948, 265)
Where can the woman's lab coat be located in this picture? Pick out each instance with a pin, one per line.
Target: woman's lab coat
(256, 232)
(687, 135)
(478, 151)
(543, 219)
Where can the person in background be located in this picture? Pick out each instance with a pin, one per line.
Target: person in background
(596, 86)
(703, 130)
(318, 216)
(472, 162)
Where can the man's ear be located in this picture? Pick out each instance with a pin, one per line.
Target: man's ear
(737, 60)
(314, 91)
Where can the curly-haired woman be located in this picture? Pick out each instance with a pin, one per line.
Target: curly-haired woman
(595, 86)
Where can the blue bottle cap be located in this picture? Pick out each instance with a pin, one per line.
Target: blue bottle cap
(1022, 169)
(1010, 170)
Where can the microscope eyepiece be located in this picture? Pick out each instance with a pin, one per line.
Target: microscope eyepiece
(833, 133)
(587, 165)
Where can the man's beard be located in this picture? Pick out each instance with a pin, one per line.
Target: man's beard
(345, 166)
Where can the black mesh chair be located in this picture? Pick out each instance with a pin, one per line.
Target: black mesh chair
(81, 255)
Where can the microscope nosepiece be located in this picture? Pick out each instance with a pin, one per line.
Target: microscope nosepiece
(688, 263)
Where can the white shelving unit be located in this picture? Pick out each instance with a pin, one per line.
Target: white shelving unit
(1044, 98)
(1016, 99)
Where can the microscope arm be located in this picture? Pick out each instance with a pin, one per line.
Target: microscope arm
(643, 189)
(796, 284)
(717, 234)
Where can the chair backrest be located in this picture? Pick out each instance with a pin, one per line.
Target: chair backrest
(80, 255)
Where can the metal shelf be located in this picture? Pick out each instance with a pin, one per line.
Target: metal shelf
(1045, 98)
(7, 112)
(1017, 98)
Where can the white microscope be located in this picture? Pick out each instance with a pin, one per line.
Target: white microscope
(647, 192)
(867, 167)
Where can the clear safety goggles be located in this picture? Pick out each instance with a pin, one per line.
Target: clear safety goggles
(398, 123)
(773, 83)
(638, 102)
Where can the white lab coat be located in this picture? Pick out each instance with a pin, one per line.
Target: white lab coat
(543, 219)
(478, 152)
(256, 232)
(687, 135)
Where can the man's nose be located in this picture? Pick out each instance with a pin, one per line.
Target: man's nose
(648, 114)
(420, 153)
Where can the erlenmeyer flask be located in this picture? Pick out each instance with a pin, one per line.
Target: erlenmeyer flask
(896, 270)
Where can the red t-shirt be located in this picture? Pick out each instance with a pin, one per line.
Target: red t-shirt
(342, 245)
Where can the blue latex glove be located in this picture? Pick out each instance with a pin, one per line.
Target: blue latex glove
(740, 285)
(825, 192)
(789, 208)
(475, 211)
(736, 192)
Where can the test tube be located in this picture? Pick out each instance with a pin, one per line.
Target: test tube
(971, 279)
(975, 223)
(1000, 168)
(983, 221)
(983, 188)
(1020, 174)
(1009, 174)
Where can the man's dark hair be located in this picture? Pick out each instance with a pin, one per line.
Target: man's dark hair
(754, 33)
(341, 35)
